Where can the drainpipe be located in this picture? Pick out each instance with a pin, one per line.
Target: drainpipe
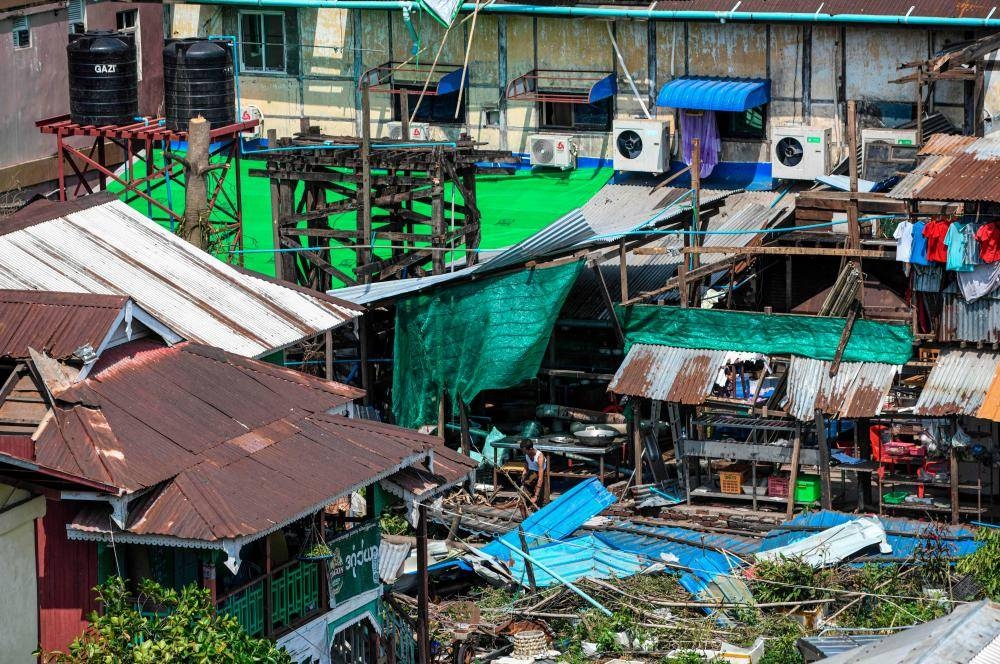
(641, 14)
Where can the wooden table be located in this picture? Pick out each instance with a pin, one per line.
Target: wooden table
(568, 450)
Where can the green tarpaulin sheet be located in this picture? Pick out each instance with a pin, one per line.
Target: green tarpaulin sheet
(484, 335)
(769, 334)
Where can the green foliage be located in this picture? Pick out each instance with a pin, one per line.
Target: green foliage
(393, 524)
(781, 635)
(789, 580)
(688, 657)
(184, 628)
(984, 564)
(897, 599)
(318, 550)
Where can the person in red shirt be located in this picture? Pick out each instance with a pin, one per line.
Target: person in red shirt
(989, 242)
(935, 232)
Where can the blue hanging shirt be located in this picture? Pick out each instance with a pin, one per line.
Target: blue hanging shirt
(918, 253)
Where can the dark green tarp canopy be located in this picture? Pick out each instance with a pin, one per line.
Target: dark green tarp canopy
(768, 334)
(487, 334)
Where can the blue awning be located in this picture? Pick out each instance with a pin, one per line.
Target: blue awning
(714, 94)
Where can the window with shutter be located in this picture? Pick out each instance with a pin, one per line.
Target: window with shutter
(21, 32)
(75, 16)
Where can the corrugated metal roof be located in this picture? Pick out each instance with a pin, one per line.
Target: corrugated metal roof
(391, 558)
(109, 248)
(905, 536)
(576, 558)
(969, 634)
(450, 470)
(665, 373)
(54, 323)
(946, 144)
(559, 519)
(857, 390)
(147, 413)
(710, 93)
(956, 383)
(913, 182)
(967, 177)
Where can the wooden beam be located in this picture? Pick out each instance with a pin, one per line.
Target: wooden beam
(772, 250)
(852, 315)
(826, 491)
(793, 476)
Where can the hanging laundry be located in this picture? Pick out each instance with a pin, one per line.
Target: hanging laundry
(956, 240)
(918, 250)
(989, 242)
(983, 280)
(971, 243)
(935, 232)
(904, 241)
(701, 125)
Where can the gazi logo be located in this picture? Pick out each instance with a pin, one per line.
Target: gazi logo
(105, 69)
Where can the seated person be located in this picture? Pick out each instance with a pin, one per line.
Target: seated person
(536, 467)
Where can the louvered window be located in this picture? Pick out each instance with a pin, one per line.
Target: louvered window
(76, 11)
(21, 32)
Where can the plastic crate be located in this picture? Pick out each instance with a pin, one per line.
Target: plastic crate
(807, 489)
(777, 487)
(732, 479)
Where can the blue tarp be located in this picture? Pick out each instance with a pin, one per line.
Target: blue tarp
(714, 94)
(557, 520)
(451, 82)
(905, 536)
(604, 88)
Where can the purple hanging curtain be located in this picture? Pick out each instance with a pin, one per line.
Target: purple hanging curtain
(703, 127)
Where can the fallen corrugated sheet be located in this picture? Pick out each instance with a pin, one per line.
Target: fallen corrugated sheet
(109, 248)
(709, 564)
(857, 390)
(955, 170)
(968, 635)
(664, 373)
(830, 546)
(913, 182)
(54, 323)
(557, 520)
(906, 537)
(392, 557)
(576, 558)
(957, 383)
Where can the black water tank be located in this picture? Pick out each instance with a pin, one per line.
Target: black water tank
(103, 78)
(198, 80)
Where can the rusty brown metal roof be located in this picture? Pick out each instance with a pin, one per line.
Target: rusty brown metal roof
(282, 474)
(857, 390)
(451, 469)
(946, 144)
(148, 412)
(967, 177)
(54, 323)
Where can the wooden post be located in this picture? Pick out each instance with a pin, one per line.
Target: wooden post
(955, 514)
(272, 140)
(853, 229)
(404, 115)
(695, 200)
(208, 580)
(527, 563)
(268, 609)
(794, 475)
(328, 345)
(826, 497)
(437, 213)
(423, 590)
(195, 188)
(637, 440)
(463, 420)
(920, 105)
(978, 99)
(363, 355)
(442, 414)
(365, 193)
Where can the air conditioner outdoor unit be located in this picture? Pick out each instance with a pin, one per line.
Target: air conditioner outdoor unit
(248, 113)
(419, 131)
(642, 145)
(800, 153)
(903, 137)
(555, 150)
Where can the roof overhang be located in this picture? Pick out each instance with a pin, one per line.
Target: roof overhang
(562, 86)
(398, 78)
(714, 93)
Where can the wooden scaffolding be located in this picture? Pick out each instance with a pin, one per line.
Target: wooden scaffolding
(413, 205)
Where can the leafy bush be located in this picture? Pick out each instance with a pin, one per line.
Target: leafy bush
(984, 564)
(184, 629)
(788, 580)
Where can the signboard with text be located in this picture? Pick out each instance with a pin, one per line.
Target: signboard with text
(353, 569)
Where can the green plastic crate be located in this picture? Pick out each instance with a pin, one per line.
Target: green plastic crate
(807, 489)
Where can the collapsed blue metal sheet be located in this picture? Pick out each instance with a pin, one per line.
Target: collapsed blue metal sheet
(557, 520)
(451, 82)
(907, 537)
(706, 558)
(577, 558)
(714, 94)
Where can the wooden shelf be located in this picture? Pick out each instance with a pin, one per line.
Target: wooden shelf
(703, 492)
(932, 508)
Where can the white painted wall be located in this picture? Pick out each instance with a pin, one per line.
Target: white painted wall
(18, 580)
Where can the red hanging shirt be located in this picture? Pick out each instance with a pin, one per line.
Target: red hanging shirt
(989, 242)
(935, 232)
